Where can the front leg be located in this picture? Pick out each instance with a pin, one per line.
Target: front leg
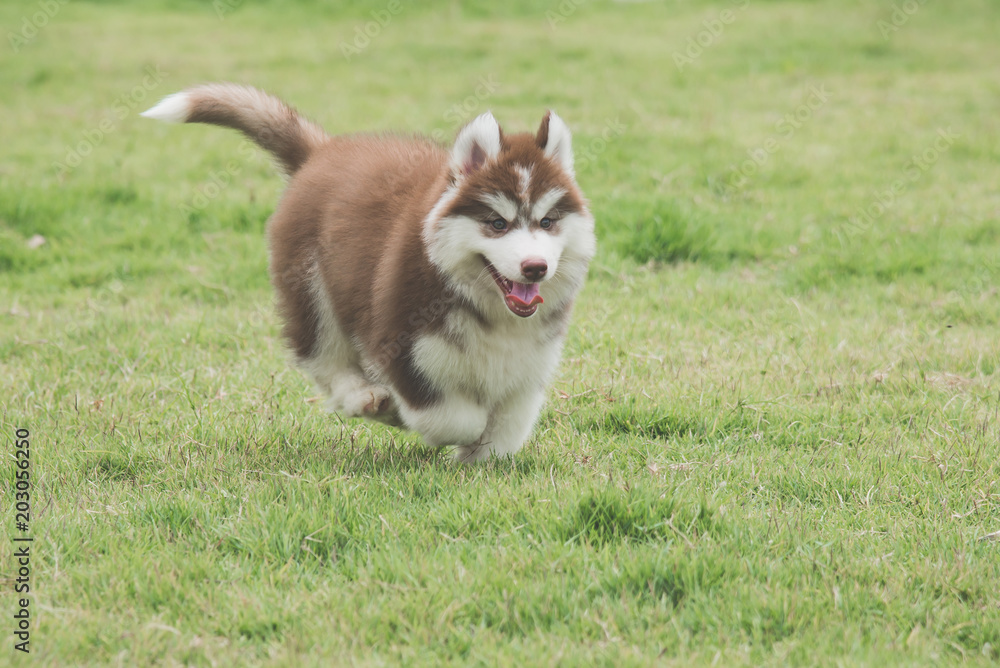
(509, 426)
(452, 420)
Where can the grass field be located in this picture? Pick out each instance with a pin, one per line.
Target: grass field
(774, 434)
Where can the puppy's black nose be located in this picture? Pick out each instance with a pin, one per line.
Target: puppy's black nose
(534, 268)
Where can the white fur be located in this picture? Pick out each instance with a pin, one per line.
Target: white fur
(560, 143)
(501, 204)
(502, 372)
(172, 109)
(487, 365)
(545, 203)
(524, 180)
(483, 131)
(455, 244)
(439, 207)
(582, 243)
(509, 251)
(454, 419)
(353, 395)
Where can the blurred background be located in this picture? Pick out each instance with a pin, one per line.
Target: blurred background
(720, 132)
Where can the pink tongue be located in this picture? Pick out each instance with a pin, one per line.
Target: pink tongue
(523, 299)
(526, 293)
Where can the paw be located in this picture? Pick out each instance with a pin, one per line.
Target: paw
(381, 407)
(378, 401)
(353, 396)
(471, 454)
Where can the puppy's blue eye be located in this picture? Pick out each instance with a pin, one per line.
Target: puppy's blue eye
(499, 224)
(545, 223)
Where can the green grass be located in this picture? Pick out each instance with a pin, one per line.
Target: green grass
(774, 435)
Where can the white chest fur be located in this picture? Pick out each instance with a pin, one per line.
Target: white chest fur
(488, 364)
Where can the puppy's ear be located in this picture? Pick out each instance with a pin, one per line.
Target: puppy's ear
(478, 142)
(555, 139)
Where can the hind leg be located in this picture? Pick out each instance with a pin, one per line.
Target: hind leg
(349, 392)
(334, 365)
(353, 395)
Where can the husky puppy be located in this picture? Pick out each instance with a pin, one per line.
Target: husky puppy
(420, 287)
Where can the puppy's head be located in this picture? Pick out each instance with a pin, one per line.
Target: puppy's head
(513, 227)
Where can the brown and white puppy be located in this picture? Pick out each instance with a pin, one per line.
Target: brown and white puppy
(419, 286)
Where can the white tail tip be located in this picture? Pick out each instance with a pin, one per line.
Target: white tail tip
(172, 109)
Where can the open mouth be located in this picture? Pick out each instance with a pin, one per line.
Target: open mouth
(521, 298)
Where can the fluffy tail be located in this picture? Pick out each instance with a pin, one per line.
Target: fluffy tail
(265, 119)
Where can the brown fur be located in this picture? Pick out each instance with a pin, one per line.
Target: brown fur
(316, 225)
(280, 129)
(520, 149)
